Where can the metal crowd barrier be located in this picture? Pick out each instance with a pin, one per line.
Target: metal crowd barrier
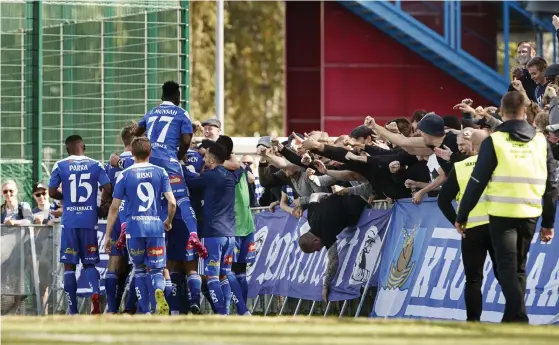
(31, 279)
(29, 269)
(268, 305)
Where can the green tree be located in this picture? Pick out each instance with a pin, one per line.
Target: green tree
(254, 65)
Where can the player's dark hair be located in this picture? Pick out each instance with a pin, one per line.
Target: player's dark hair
(227, 142)
(218, 152)
(537, 62)
(171, 92)
(127, 133)
(73, 139)
(74, 145)
(141, 147)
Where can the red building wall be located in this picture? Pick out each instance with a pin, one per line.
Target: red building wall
(340, 68)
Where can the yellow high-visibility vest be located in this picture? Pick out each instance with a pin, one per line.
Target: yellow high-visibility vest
(478, 216)
(518, 182)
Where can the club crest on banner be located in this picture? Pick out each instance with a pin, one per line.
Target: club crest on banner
(395, 279)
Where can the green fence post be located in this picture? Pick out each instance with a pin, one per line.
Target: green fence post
(151, 37)
(68, 74)
(185, 54)
(108, 94)
(37, 90)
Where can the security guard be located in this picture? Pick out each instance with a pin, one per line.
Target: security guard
(476, 242)
(516, 165)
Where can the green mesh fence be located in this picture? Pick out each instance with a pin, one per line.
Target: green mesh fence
(102, 63)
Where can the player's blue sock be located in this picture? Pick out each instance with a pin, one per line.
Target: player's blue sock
(132, 298)
(171, 294)
(194, 283)
(206, 292)
(151, 292)
(226, 289)
(216, 295)
(142, 291)
(237, 294)
(187, 214)
(157, 279)
(92, 276)
(242, 279)
(111, 281)
(71, 288)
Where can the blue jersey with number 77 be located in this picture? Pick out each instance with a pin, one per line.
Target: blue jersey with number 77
(142, 185)
(165, 124)
(80, 177)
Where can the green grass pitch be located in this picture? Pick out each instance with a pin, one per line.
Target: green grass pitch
(216, 330)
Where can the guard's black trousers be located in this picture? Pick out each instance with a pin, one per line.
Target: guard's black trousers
(511, 239)
(475, 246)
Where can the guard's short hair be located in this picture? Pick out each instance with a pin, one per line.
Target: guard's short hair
(512, 102)
(141, 147)
(127, 134)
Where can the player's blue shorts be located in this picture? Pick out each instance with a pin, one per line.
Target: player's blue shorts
(149, 251)
(245, 249)
(176, 241)
(79, 245)
(220, 255)
(174, 170)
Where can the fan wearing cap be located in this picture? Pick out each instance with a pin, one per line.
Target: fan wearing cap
(41, 213)
(211, 129)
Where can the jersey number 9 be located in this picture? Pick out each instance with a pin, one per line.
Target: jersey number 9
(147, 196)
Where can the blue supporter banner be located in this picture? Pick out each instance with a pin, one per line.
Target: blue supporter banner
(422, 276)
(281, 268)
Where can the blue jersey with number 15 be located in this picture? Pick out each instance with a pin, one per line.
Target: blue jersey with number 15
(142, 185)
(80, 177)
(165, 124)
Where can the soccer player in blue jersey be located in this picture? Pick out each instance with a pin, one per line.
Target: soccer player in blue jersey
(169, 127)
(218, 231)
(142, 185)
(182, 259)
(117, 267)
(79, 176)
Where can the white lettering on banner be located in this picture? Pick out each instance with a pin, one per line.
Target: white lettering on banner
(487, 267)
(304, 275)
(533, 278)
(352, 244)
(319, 273)
(457, 288)
(299, 255)
(432, 257)
(285, 264)
(550, 293)
(439, 291)
(270, 259)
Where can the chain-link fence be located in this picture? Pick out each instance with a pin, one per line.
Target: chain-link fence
(102, 64)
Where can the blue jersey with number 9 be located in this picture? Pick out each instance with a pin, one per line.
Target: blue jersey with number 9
(142, 185)
(165, 124)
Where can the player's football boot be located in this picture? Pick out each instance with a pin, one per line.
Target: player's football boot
(95, 304)
(194, 242)
(162, 307)
(121, 242)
